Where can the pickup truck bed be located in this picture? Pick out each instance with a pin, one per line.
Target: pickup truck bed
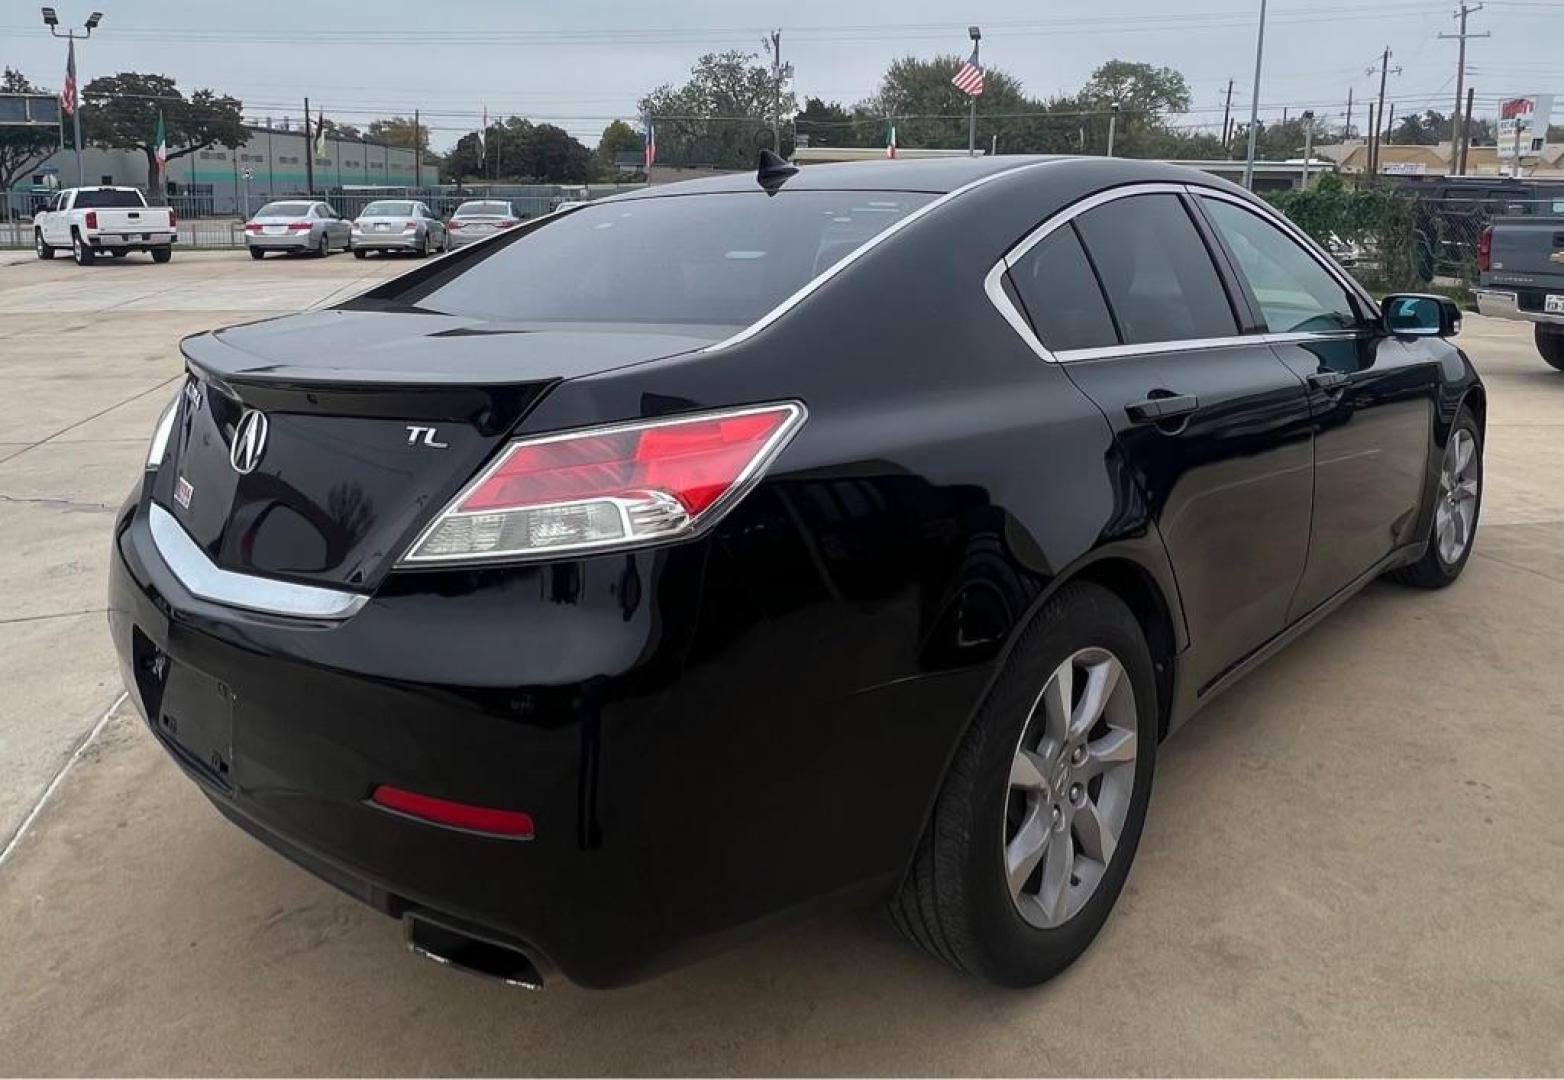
(1521, 261)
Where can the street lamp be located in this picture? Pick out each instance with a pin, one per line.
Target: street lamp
(52, 21)
(1254, 101)
(1113, 125)
(976, 35)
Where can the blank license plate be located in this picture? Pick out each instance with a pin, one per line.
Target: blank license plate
(1554, 303)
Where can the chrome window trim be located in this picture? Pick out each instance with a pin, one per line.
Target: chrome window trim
(993, 281)
(205, 579)
(805, 290)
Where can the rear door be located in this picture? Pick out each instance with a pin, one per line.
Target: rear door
(1128, 296)
(1372, 396)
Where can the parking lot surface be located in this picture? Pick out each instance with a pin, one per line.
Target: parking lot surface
(1354, 860)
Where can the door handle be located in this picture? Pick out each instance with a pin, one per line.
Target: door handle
(1329, 380)
(1154, 410)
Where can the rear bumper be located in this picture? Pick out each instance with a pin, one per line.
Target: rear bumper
(369, 241)
(132, 241)
(301, 241)
(461, 238)
(1507, 304)
(693, 768)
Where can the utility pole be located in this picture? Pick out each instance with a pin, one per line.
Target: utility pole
(1113, 123)
(1254, 101)
(1384, 71)
(418, 152)
(1369, 145)
(1456, 129)
(774, 46)
(1308, 144)
(52, 21)
(1346, 132)
(1466, 130)
(977, 36)
(1227, 112)
(309, 152)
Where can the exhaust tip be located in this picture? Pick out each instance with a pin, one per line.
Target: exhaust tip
(470, 953)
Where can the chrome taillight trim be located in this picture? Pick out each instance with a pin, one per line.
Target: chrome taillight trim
(205, 579)
(698, 524)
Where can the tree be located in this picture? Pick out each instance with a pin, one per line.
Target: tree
(1146, 92)
(515, 149)
(400, 131)
(551, 155)
(341, 131)
(122, 110)
(618, 138)
(829, 124)
(1426, 129)
(722, 116)
(23, 149)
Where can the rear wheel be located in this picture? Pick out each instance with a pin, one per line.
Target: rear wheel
(1550, 343)
(322, 247)
(41, 249)
(257, 253)
(81, 251)
(1459, 500)
(360, 253)
(1036, 825)
(422, 249)
(162, 254)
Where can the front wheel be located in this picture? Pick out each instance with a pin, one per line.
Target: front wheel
(81, 251)
(1036, 825)
(41, 249)
(1550, 343)
(1458, 502)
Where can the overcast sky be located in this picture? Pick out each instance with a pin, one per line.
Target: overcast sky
(583, 62)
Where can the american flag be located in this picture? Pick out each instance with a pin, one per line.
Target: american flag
(651, 143)
(969, 79)
(68, 91)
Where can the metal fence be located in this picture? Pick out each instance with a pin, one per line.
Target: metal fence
(203, 224)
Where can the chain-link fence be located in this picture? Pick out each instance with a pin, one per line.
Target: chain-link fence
(204, 224)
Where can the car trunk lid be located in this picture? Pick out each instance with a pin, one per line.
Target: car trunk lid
(373, 420)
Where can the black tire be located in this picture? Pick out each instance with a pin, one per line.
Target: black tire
(360, 253)
(162, 254)
(422, 250)
(82, 251)
(1550, 343)
(257, 253)
(955, 901)
(1434, 570)
(41, 249)
(323, 248)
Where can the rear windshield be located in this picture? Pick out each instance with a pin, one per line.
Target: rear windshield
(388, 209)
(284, 209)
(107, 198)
(483, 209)
(702, 259)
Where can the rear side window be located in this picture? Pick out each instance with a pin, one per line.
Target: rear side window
(1294, 292)
(106, 199)
(1156, 270)
(1057, 285)
(715, 259)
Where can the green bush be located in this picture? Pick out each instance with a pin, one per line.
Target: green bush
(1383, 221)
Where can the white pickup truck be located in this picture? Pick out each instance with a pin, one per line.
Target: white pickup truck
(89, 220)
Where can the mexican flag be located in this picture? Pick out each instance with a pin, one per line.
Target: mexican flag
(160, 146)
(890, 137)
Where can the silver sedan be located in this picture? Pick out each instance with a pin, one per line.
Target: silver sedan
(398, 225)
(296, 225)
(478, 218)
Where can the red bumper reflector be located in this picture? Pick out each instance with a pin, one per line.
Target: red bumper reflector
(513, 823)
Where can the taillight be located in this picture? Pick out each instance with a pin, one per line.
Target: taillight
(92, 219)
(409, 226)
(1485, 249)
(508, 222)
(357, 224)
(620, 486)
(515, 824)
(173, 218)
(453, 224)
(298, 226)
(252, 227)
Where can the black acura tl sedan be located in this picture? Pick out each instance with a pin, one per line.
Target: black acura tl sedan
(617, 585)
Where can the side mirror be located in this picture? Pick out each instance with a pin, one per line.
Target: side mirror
(1421, 315)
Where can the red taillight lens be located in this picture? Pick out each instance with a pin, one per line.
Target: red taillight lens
(298, 226)
(453, 224)
(409, 227)
(611, 487)
(508, 222)
(1485, 249)
(173, 218)
(252, 227)
(92, 219)
(512, 823)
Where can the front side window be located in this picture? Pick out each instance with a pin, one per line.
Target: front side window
(1155, 268)
(1295, 293)
(1059, 289)
(715, 259)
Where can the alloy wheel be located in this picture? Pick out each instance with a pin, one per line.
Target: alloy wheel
(1457, 507)
(1070, 786)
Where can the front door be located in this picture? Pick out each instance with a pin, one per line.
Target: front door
(1215, 427)
(1372, 397)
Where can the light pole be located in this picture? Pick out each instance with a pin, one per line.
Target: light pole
(52, 21)
(976, 35)
(1308, 144)
(1254, 101)
(1113, 125)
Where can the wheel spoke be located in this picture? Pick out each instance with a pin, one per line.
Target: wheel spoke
(1097, 834)
(1466, 489)
(1117, 747)
(1463, 451)
(1054, 888)
(1057, 697)
(1028, 846)
(1028, 772)
(1101, 680)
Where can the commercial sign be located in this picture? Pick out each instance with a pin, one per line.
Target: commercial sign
(1523, 125)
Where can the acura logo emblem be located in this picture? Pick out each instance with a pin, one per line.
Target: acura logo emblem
(249, 442)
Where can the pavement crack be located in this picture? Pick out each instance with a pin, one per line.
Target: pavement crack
(60, 504)
(52, 615)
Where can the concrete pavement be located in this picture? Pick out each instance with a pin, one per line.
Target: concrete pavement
(1354, 862)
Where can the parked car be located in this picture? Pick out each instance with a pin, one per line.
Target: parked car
(1521, 276)
(116, 220)
(479, 218)
(398, 225)
(712, 552)
(297, 225)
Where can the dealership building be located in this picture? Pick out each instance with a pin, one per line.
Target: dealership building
(213, 180)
